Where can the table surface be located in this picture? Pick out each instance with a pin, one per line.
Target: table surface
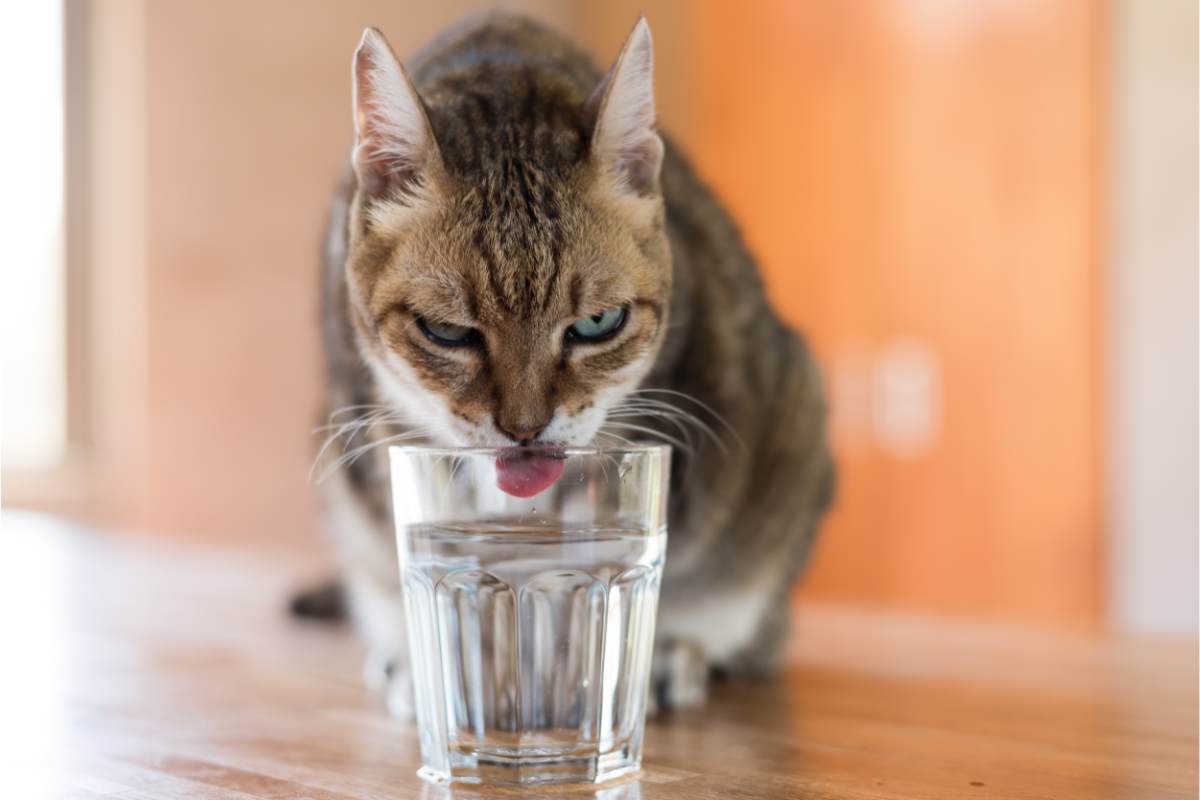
(140, 668)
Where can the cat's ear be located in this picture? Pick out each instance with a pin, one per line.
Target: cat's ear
(394, 144)
(624, 139)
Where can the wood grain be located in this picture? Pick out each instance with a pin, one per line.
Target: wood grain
(138, 669)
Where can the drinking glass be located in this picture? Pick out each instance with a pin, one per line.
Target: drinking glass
(530, 618)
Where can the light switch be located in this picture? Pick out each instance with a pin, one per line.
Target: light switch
(906, 398)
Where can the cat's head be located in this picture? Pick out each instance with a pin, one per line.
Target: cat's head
(509, 272)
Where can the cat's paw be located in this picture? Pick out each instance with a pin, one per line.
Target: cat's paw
(389, 675)
(679, 677)
(399, 694)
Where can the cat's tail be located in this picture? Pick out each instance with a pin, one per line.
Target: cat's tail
(326, 601)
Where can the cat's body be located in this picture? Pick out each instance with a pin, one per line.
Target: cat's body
(508, 105)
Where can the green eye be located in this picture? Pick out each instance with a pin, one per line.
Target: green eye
(598, 326)
(444, 333)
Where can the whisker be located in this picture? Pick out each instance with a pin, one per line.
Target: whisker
(614, 438)
(343, 410)
(685, 396)
(675, 418)
(352, 455)
(621, 440)
(672, 440)
(384, 413)
(649, 406)
(351, 429)
(656, 409)
(359, 407)
(377, 418)
(455, 466)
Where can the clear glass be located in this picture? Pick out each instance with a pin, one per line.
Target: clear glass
(530, 620)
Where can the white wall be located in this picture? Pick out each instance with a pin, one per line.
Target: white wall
(1152, 304)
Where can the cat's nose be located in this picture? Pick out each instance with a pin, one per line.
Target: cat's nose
(521, 435)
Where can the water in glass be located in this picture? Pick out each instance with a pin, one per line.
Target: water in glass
(530, 646)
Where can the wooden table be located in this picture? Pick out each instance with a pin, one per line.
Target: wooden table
(146, 669)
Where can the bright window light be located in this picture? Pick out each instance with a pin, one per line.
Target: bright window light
(32, 302)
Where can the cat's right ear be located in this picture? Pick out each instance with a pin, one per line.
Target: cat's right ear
(394, 144)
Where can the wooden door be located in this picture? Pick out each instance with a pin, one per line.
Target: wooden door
(919, 181)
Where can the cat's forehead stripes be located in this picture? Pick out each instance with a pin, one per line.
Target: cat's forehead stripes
(518, 236)
(485, 116)
(513, 141)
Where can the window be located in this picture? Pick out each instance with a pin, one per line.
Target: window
(32, 290)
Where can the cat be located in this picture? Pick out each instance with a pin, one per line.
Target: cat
(518, 256)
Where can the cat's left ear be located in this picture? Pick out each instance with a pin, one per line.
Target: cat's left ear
(394, 143)
(624, 139)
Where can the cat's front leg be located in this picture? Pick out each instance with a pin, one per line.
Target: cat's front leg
(387, 673)
(678, 676)
(378, 611)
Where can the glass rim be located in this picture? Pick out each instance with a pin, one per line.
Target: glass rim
(636, 448)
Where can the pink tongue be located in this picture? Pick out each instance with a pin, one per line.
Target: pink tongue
(524, 475)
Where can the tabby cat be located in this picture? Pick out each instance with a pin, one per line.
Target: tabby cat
(518, 256)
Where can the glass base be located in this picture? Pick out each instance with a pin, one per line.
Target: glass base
(504, 767)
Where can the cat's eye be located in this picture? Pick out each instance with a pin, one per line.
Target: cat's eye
(598, 327)
(447, 334)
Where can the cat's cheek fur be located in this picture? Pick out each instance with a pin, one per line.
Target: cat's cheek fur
(576, 430)
(403, 389)
(582, 427)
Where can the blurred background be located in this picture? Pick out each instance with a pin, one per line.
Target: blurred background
(982, 214)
